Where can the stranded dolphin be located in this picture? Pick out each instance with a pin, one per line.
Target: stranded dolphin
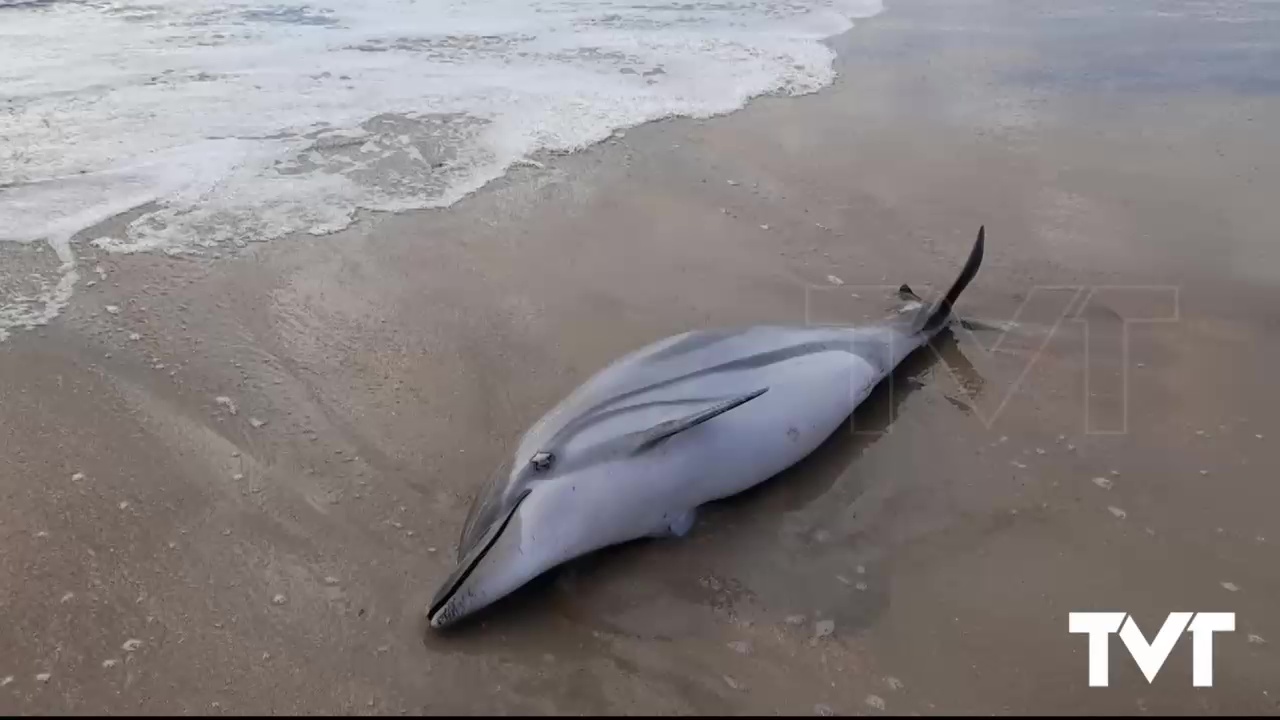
(693, 418)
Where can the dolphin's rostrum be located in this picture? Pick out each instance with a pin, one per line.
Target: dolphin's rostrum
(635, 450)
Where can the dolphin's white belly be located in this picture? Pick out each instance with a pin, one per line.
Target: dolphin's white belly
(809, 397)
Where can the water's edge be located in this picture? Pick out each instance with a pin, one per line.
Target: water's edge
(177, 201)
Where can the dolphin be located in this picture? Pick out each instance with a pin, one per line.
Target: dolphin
(693, 418)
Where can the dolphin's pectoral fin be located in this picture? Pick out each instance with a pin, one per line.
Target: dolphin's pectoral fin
(683, 523)
(664, 430)
(677, 525)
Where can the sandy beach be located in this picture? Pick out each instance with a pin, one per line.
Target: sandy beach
(232, 486)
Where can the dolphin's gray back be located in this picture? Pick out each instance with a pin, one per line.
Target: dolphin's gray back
(662, 370)
(667, 379)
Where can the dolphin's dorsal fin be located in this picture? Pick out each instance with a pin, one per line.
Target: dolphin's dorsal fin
(662, 431)
(933, 318)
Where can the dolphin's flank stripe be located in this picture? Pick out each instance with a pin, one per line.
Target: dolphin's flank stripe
(662, 431)
(873, 354)
(582, 422)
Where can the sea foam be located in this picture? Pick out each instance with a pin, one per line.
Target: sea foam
(219, 122)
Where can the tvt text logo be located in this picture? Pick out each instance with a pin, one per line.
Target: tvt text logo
(1150, 656)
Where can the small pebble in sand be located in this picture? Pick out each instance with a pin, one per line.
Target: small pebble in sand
(1259, 436)
(732, 182)
(861, 569)
(135, 336)
(235, 453)
(77, 477)
(844, 580)
(67, 598)
(861, 586)
(1118, 512)
(733, 684)
(1039, 451)
(256, 423)
(1102, 482)
(113, 309)
(824, 628)
(795, 619)
(330, 580)
(279, 600)
(108, 664)
(238, 477)
(1200, 433)
(1018, 465)
(1230, 587)
(875, 701)
(131, 645)
(764, 227)
(742, 647)
(834, 280)
(823, 710)
(226, 532)
(1257, 640)
(43, 677)
(226, 402)
(431, 549)
(893, 683)
(124, 504)
(1115, 473)
(8, 679)
(1204, 472)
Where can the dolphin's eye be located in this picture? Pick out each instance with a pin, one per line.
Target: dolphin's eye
(542, 461)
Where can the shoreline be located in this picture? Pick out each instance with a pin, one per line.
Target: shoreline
(378, 372)
(96, 192)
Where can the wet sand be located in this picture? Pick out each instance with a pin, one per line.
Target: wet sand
(278, 558)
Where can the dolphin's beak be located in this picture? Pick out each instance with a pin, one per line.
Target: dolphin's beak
(456, 598)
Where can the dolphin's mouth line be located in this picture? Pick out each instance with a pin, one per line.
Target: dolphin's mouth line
(460, 578)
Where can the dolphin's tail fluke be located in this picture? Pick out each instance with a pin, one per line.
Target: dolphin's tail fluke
(940, 313)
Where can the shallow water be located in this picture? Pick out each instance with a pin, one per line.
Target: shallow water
(233, 122)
